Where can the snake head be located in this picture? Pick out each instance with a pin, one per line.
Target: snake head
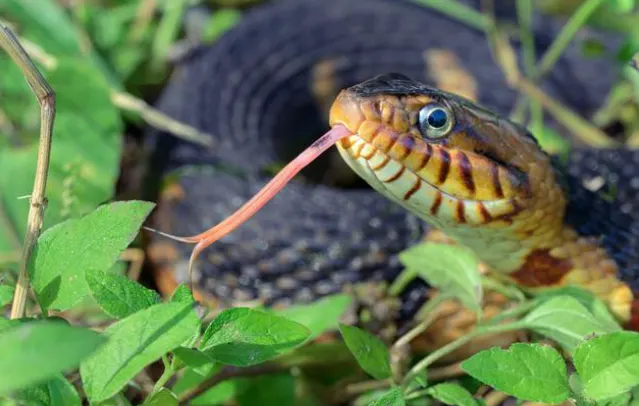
(446, 159)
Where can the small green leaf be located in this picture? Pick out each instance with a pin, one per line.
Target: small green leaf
(369, 351)
(94, 242)
(608, 365)
(621, 6)
(452, 269)
(192, 357)
(550, 318)
(36, 351)
(452, 394)
(182, 294)
(528, 371)
(243, 336)
(588, 299)
(135, 342)
(393, 397)
(320, 316)
(164, 397)
(6, 295)
(267, 390)
(117, 295)
(56, 392)
(221, 21)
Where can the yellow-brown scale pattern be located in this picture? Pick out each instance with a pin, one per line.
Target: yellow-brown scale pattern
(487, 185)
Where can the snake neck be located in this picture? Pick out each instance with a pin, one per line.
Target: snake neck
(558, 239)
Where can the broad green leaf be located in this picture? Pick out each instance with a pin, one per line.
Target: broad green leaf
(164, 397)
(46, 22)
(320, 316)
(527, 371)
(56, 392)
(6, 295)
(85, 157)
(550, 319)
(243, 336)
(65, 252)
(452, 394)
(267, 390)
(33, 352)
(450, 268)
(117, 295)
(591, 302)
(608, 365)
(134, 343)
(369, 351)
(393, 397)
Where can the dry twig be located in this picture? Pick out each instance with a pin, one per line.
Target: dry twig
(46, 97)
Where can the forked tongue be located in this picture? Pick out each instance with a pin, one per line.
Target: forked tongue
(262, 197)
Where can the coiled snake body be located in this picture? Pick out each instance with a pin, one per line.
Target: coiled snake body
(262, 91)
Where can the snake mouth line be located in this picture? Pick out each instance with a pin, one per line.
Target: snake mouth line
(395, 180)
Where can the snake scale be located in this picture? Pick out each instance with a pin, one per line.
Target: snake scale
(264, 92)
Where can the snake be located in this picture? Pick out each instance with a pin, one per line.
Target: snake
(420, 105)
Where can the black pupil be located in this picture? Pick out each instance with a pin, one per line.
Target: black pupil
(437, 118)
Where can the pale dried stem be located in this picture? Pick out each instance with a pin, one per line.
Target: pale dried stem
(46, 97)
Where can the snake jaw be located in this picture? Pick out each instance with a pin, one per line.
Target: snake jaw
(441, 183)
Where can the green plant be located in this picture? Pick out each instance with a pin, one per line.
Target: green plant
(95, 335)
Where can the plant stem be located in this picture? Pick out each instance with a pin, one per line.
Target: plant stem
(457, 11)
(46, 97)
(514, 312)
(164, 378)
(524, 13)
(429, 311)
(566, 35)
(448, 348)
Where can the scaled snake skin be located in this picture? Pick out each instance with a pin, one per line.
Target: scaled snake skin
(253, 90)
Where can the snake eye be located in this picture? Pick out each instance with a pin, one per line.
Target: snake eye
(435, 121)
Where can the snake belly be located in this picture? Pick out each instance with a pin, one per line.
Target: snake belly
(262, 89)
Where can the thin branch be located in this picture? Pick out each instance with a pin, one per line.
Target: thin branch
(128, 102)
(46, 97)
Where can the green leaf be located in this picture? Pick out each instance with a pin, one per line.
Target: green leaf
(6, 295)
(135, 342)
(393, 397)
(117, 295)
(56, 392)
(527, 371)
(164, 397)
(182, 294)
(243, 336)
(192, 357)
(221, 21)
(267, 390)
(320, 316)
(369, 351)
(452, 269)
(452, 394)
(588, 299)
(33, 352)
(92, 243)
(85, 157)
(550, 318)
(608, 365)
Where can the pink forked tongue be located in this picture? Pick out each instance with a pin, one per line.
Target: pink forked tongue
(262, 197)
